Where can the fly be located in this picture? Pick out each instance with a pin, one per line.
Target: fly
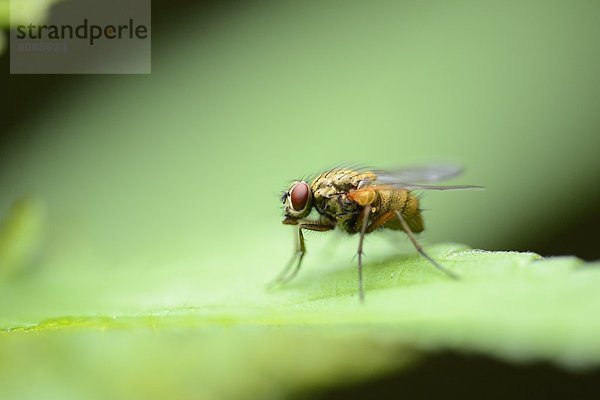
(362, 201)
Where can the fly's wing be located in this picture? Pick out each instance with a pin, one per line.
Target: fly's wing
(408, 178)
(423, 173)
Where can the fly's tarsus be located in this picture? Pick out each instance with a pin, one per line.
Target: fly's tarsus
(285, 276)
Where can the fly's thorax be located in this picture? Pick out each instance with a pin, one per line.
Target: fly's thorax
(336, 206)
(330, 191)
(339, 180)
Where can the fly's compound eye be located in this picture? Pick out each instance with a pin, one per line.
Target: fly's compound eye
(298, 201)
(299, 196)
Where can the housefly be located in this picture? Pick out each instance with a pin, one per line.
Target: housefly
(361, 201)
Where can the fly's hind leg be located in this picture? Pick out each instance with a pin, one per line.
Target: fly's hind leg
(287, 274)
(378, 223)
(422, 252)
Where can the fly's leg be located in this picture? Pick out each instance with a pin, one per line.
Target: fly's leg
(287, 274)
(299, 254)
(364, 219)
(386, 217)
(413, 239)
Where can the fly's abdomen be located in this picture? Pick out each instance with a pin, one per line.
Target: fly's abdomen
(403, 201)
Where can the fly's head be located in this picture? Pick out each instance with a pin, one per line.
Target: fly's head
(297, 200)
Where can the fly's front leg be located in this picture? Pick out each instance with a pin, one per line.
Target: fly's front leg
(287, 274)
(415, 243)
(299, 253)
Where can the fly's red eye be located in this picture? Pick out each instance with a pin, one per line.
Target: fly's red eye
(299, 196)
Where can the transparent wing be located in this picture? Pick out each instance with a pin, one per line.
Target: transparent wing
(423, 173)
(409, 177)
(435, 187)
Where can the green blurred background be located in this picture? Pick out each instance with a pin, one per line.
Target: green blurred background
(245, 96)
(129, 181)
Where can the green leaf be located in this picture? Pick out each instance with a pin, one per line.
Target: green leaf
(4, 13)
(23, 11)
(21, 236)
(13, 13)
(311, 333)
